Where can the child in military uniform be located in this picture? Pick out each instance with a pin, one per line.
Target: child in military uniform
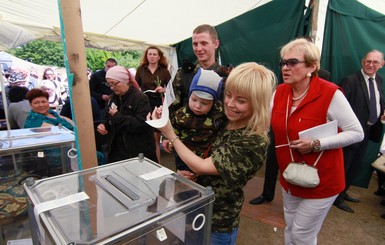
(198, 123)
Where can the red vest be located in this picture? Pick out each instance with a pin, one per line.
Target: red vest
(311, 112)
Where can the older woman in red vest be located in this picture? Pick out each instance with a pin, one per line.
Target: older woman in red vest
(302, 102)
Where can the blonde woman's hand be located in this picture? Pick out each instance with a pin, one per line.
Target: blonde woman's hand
(187, 174)
(156, 113)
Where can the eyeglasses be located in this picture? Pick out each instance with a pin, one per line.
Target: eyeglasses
(290, 62)
(113, 85)
(374, 62)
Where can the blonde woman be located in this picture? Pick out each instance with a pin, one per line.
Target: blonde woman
(239, 149)
(304, 101)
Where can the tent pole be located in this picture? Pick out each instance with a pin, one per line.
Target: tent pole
(314, 21)
(5, 102)
(80, 97)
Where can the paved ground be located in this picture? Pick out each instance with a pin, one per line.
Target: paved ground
(264, 224)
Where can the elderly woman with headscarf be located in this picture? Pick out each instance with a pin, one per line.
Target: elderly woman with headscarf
(128, 133)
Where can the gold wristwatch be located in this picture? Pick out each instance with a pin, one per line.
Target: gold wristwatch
(316, 145)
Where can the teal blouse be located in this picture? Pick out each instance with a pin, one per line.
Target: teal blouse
(35, 120)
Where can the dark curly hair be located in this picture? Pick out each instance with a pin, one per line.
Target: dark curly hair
(35, 93)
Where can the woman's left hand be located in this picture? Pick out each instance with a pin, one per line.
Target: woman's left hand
(160, 89)
(112, 111)
(304, 146)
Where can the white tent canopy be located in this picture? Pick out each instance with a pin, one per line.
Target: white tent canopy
(117, 24)
(19, 64)
(125, 24)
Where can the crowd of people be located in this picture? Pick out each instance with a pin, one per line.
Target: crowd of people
(291, 110)
(15, 78)
(226, 122)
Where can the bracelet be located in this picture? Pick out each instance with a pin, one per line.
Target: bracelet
(173, 140)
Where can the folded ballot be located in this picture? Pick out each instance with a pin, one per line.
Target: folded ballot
(320, 131)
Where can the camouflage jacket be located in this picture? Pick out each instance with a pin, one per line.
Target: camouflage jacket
(237, 158)
(197, 132)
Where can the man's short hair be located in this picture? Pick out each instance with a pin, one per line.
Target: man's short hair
(112, 60)
(206, 28)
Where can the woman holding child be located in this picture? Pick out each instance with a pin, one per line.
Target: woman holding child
(239, 149)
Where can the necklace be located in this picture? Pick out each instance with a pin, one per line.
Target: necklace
(302, 95)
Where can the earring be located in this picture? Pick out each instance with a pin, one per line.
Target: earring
(308, 74)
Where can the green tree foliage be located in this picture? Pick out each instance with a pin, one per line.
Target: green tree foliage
(51, 53)
(41, 52)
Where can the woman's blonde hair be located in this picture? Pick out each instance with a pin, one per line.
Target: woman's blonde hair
(312, 54)
(256, 83)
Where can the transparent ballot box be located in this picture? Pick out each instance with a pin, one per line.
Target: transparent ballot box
(43, 151)
(135, 201)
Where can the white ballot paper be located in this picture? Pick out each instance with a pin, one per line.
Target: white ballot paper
(320, 131)
(169, 97)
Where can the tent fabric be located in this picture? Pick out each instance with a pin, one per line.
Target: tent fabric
(12, 62)
(119, 25)
(351, 30)
(256, 35)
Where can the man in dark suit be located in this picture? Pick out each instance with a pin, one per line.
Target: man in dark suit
(357, 89)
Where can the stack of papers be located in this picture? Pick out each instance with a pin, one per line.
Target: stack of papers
(320, 131)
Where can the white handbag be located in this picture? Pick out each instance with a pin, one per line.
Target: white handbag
(301, 174)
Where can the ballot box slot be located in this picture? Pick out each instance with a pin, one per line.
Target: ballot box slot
(120, 186)
(122, 191)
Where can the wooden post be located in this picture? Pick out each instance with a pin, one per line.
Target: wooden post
(314, 21)
(81, 99)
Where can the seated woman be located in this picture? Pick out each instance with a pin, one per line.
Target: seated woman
(41, 115)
